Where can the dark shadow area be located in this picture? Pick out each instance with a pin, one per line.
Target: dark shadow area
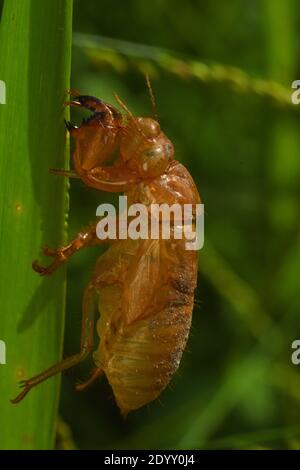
(1, 8)
(39, 301)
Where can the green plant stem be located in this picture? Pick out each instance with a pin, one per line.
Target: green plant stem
(35, 49)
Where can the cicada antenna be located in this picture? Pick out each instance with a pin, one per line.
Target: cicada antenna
(152, 97)
(127, 110)
(123, 105)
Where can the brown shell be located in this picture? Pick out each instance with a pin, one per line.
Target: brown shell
(146, 295)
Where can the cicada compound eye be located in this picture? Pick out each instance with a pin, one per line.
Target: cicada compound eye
(148, 127)
(155, 160)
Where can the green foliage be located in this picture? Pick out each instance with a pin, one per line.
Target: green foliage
(35, 46)
(222, 79)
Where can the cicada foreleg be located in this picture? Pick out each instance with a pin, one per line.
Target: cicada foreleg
(83, 239)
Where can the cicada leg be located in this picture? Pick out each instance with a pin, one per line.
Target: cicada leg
(87, 337)
(95, 374)
(83, 239)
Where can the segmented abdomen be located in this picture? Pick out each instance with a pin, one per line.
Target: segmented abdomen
(145, 355)
(140, 355)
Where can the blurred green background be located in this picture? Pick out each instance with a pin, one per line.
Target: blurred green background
(213, 66)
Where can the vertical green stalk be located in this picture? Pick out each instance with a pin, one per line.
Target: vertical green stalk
(283, 172)
(35, 49)
(283, 168)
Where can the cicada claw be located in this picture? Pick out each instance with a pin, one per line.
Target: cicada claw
(58, 256)
(69, 125)
(26, 386)
(50, 251)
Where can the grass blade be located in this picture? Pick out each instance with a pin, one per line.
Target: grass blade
(35, 48)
